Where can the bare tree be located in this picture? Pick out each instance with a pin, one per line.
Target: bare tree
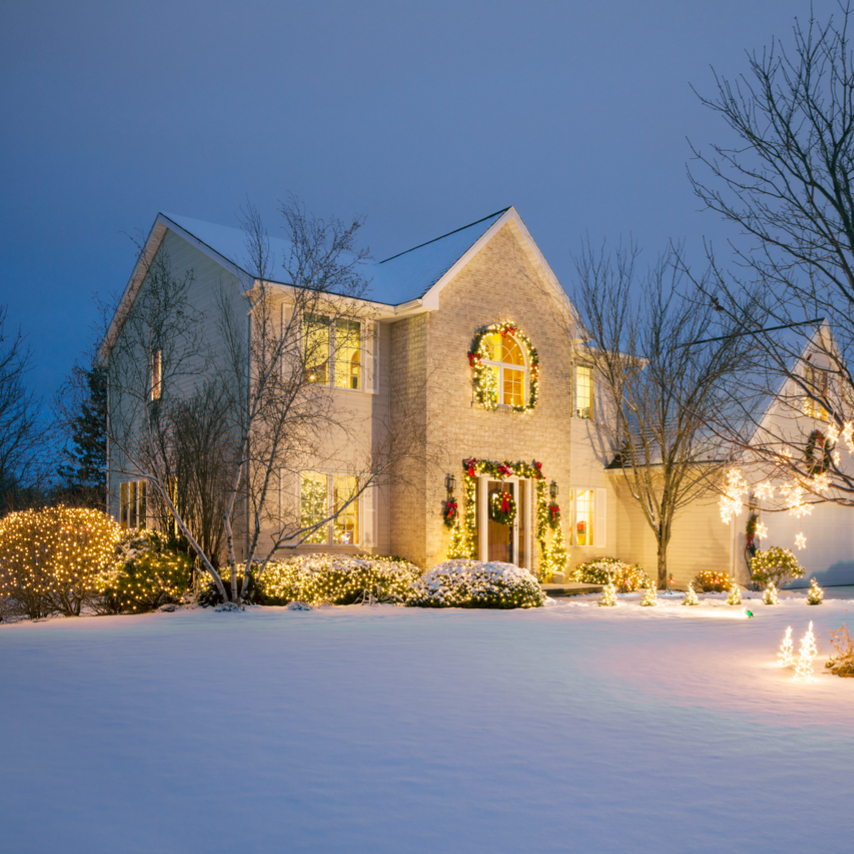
(785, 182)
(662, 388)
(20, 436)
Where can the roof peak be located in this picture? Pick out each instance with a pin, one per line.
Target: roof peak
(448, 234)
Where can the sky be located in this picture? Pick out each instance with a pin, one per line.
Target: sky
(419, 117)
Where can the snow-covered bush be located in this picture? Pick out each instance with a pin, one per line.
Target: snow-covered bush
(467, 583)
(626, 577)
(49, 559)
(337, 579)
(709, 581)
(148, 572)
(777, 564)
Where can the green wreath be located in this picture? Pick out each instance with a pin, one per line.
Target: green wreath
(817, 453)
(502, 508)
(485, 380)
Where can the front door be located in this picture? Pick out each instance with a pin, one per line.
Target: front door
(501, 537)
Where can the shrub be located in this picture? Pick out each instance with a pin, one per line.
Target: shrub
(626, 577)
(148, 572)
(473, 584)
(841, 664)
(338, 579)
(709, 581)
(209, 595)
(776, 565)
(50, 558)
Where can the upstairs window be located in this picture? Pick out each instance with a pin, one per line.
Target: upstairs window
(333, 352)
(504, 358)
(816, 382)
(584, 391)
(156, 374)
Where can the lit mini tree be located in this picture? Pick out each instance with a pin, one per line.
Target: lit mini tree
(816, 594)
(807, 654)
(786, 655)
(609, 595)
(460, 546)
(734, 597)
(649, 598)
(690, 597)
(557, 556)
(769, 597)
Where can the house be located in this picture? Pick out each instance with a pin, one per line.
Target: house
(475, 336)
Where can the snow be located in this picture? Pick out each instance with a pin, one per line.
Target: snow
(384, 729)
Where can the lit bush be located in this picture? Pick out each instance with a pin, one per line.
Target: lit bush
(841, 664)
(337, 579)
(50, 559)
(147, 572)
(776, 565)
(472, 584)
(709, 581)
(626, 577)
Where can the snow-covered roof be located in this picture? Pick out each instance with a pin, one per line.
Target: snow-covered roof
(397, 280)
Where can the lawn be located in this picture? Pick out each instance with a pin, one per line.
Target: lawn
(383, 729)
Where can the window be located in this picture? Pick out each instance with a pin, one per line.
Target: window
(584, 391)
(504, 357)
(132, 504)
(156, 374)
(338, 344)
(323, 495)
(583, 518)
(815, 380)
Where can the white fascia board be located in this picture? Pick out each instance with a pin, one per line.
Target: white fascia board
(378, 310)
(431, 298)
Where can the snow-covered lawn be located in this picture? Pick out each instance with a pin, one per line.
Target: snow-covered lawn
(360, 729)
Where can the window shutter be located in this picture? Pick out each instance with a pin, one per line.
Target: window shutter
(599, 510)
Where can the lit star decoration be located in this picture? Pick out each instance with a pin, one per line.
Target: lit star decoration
(800, 541)
(786, 655)
(807, 654)
(819, 482)
(735, 489)
(761, 531)
(764, 491)
(793, 494)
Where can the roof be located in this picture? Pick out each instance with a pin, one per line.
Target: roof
(397, 280)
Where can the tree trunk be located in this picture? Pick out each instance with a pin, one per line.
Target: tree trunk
(662, 565)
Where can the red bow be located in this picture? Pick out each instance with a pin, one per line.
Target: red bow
(505, 502)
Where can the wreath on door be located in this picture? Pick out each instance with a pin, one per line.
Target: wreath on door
(502, 508)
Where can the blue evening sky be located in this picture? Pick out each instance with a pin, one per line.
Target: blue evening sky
(421, 116)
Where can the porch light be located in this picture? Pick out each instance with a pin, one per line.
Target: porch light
(450, 483)
(553, 490)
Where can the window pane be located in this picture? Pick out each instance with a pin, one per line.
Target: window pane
(584, 517)
(491, 345)
(132, 504)
(511, 352)
(584, 391)
(316, 349)
(143, 509)
(313, 504)
(514, 387)
(346, 524)
(123, 505)
(348, 355)
(156, 374)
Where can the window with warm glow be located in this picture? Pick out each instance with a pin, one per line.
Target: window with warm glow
(156, 371)
(815, 379)
(133, 509)
(583, 517)
(313, 504)
(503, 355)
(316, 353)
(348, 354)
(583, 391)
(322, 496)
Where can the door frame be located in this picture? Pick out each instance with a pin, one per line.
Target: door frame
(521, 507)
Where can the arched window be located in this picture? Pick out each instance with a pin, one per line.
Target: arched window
(503, 355)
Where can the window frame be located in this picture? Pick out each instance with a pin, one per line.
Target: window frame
(139, 513)
(335, 342)
(332, 525)
(524, 369)
(591, 393)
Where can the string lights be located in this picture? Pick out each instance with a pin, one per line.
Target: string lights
(806, 655)
(786, 655)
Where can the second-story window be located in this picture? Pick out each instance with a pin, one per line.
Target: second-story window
(584, 391)
(333, 352)
(156, 374)
(504, 357)
(815, 380)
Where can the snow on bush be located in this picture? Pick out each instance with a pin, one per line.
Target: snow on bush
(337, 579)
(148, 572)
(626, 577)
(473, 584)
(777, 564)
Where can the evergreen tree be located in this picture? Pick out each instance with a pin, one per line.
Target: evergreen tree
(816, 594)
(649, 598)
(557, 551)
(734, 597)
(690, 597)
